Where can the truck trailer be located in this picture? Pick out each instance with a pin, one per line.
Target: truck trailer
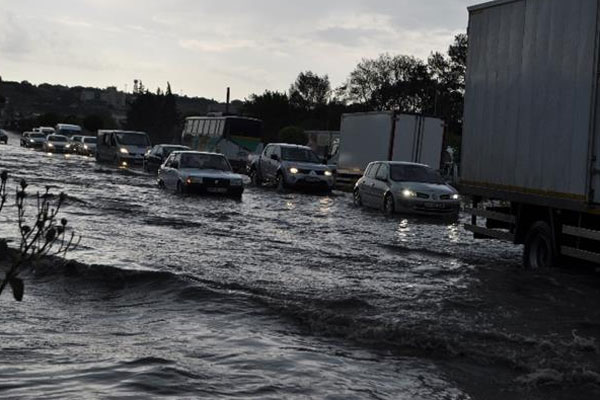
(530, 151)
(386, 136)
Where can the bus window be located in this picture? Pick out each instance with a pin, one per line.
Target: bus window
(220, 128)
(201, 126)
(188, 127)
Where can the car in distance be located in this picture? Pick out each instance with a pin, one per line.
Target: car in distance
(87, 146)
(56, 144)
(291, 166)
(33, 140)
(3, 137)
(405, 188)
(199, 172)
(154, 158)
(83, 145)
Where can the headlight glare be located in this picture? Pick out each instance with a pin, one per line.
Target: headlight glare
(124, 150)
(456, 196)
(294, 170)
(328, 173)
(408, 193)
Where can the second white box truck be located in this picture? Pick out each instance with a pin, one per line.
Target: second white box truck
(387, 136)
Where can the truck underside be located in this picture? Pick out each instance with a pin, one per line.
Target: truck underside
(549, 232)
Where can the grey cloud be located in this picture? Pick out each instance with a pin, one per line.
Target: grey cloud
(347, 36)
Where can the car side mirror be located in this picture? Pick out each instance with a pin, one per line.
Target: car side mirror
(274, 157)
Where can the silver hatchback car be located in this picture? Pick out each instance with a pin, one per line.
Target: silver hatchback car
(406, 188)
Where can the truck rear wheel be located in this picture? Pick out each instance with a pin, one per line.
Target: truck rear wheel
(540, 251)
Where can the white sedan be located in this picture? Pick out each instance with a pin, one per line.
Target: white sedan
(193, 171)
(406, 188)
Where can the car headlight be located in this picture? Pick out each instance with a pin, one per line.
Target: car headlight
(409, 193)
(124, 150)
(68, 146)
(294, 170)
(31, 141)
(85, 146)
(328, 173)
(456, 196)
(50, 145)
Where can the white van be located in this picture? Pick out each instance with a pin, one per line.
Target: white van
(123, 148)
(68, 130)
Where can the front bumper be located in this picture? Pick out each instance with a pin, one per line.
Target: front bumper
(305, 181)
(428, 207)
(131, 159)
(223, 190)
(59, 150)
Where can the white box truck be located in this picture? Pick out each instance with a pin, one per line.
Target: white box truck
(387, 136)
(530, 148)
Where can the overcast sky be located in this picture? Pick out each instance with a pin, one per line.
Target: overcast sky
(203, 46)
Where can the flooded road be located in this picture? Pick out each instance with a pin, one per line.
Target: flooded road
(282, 296)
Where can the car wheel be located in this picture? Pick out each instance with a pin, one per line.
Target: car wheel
(281, 186)
(356, 198)
(256, 181)
(388, 204)
(540, 252)
(180, 188)
(161, 184)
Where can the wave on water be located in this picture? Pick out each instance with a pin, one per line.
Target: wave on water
(532, 360)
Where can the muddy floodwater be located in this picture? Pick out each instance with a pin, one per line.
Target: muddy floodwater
(281, 296)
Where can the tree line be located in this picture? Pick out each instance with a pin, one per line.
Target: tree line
(389, 82)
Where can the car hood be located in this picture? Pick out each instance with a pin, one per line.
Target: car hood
(135, 149)
(428, 188)
(208, 173)
(305, 165)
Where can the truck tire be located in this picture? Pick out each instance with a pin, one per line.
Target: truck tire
(540, 251)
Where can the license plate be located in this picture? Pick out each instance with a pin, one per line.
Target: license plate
(216, 190)
(434, 205)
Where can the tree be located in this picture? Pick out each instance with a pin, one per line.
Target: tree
(155, 114)
(273, 108)
(93, 123)
(293, 135)
(310, 91)
(389, 83)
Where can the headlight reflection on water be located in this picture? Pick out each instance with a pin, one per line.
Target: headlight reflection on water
(403, 231)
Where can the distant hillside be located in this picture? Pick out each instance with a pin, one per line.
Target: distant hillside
(24, 101)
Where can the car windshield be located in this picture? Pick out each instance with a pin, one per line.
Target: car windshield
(204, 161)
(57, 139)
(299, 154)
(133, 139)
(414, 173)
(90, 140)
(36, 135)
